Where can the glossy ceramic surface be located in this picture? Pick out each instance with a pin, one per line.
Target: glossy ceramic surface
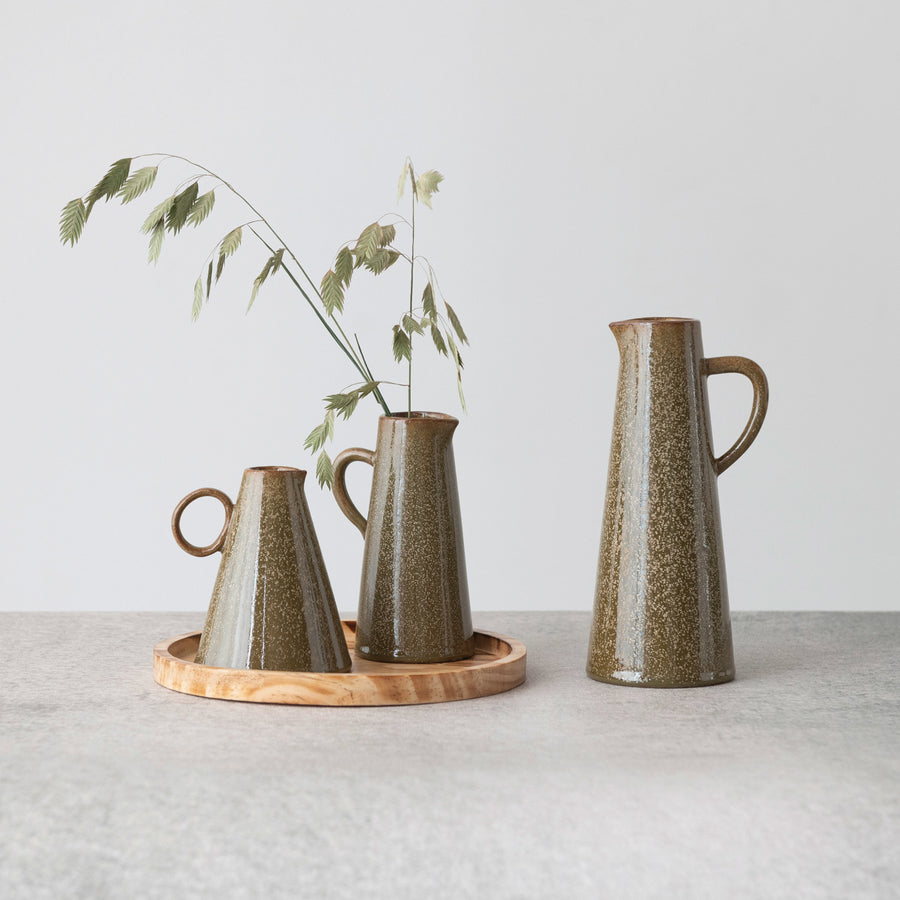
(661, 614)
(414, 596)
(272, 606)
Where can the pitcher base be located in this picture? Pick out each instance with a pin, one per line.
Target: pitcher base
(638, 679)
(466, 652)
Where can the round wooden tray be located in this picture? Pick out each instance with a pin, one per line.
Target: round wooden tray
(498, 665)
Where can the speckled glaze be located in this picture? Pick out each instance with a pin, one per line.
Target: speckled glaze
(272, 606)
(661, 614)
(414, 597)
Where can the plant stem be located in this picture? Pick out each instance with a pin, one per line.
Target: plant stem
(347, 347)
(363, 356)
(412, 274)
(357, 365)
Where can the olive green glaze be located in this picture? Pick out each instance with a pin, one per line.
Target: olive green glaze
(661, 607)
(272, 605)
(414, 597)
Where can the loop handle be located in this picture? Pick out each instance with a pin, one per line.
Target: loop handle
(353, 454)
(720, 365)
(219, 542)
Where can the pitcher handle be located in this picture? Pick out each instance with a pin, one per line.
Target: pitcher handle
(183, 504)
(720, 365)
(353, 454)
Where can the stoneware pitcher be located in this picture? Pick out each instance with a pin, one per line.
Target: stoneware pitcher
(272, 606)
(661, 606)
(413, 596)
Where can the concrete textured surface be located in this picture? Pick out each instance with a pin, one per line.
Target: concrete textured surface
(784, 783)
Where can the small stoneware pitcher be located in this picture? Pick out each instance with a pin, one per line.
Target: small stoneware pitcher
(413, 596)
(661, 607)
(272, 605)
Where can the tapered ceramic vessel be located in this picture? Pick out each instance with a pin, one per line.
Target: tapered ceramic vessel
(661, 615)
(414, 596)
(272, 606)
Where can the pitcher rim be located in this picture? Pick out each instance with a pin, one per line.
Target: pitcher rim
(655, 320)
(418, 415)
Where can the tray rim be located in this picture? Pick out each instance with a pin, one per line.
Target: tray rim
(407, 683)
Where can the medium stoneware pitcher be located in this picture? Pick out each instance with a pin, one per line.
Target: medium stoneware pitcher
(661, 607)
(272, 605)
(413, 597)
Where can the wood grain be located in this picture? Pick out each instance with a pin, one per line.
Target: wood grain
(498, 665)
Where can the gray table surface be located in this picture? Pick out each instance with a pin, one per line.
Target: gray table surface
(781, 784)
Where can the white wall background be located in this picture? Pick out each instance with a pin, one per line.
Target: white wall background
(735, 162)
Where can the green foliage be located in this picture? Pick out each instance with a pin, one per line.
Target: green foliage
(324, 471)
(368, 242)
(343, 266)
(376, 250)
(454, 350)
(202, 208)
(198, 299)
(427, 184)
(454, 321)
(410, 325)
(273, 264)
(424, 187)
(320, 434)
(228, 247)
(459, 367)
(459, 389)
(332, 292)
(344, 404)
(232, 241)
(380, 260)
(71, 221)
(138, 183)
(402, 345)
(109, 184)
(428, 306)
(156, 240)
(157, 215)
(181, 206)
(405, 173)
(438, 340)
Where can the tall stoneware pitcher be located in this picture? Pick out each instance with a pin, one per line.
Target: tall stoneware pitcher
(661, 607)
(413, 595)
